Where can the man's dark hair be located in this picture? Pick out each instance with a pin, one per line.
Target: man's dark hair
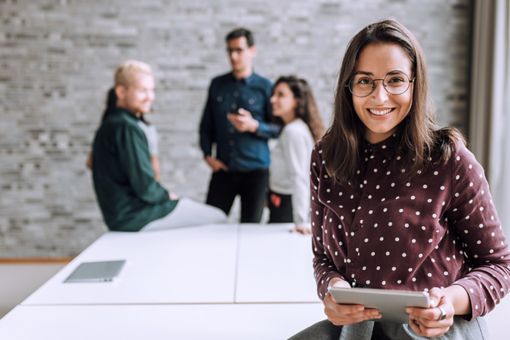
(241, 32)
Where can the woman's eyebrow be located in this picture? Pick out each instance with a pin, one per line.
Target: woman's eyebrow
(371, 74)
(364, 72)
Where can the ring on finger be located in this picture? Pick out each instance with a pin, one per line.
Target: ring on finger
(442, 316)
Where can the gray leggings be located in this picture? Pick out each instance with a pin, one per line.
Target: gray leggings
(188, 213)
(324, 330)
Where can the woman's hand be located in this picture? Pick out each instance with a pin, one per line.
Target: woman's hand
(435, 320)
(340, 314)
(301, 229)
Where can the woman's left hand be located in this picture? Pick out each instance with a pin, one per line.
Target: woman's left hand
(435, 320)
(301, 229)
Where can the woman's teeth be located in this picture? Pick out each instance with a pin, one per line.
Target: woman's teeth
(379, 112)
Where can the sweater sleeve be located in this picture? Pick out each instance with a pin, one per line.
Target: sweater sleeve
(474, 219)
(297, 155)
(134, 157)
(324, 268)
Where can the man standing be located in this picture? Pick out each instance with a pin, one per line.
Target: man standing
(237, 122)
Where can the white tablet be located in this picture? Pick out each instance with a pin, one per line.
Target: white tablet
(391, 303)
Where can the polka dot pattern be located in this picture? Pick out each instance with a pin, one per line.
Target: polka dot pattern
(387, 229)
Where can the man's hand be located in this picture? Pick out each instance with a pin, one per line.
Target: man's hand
(243, 121)
(215, 164)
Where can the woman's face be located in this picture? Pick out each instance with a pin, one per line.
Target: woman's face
(284, 103)
(381, 111)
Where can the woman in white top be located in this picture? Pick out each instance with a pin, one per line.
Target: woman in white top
(289, 193)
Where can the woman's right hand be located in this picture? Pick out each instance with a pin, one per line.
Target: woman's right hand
(88, 162)
(341, 314)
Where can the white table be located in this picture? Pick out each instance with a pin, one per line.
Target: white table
(217, 282)
(207, 264)
(171, 266)
(159, 322)
(274, 265)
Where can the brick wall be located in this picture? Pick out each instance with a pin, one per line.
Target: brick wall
(56, 63)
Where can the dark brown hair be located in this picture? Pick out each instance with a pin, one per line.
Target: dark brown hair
(241, 32)
(418, 132)
(306, 106)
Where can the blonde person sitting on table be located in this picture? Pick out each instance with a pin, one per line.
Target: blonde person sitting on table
(399, 203)
(129, 196)
(289, 174)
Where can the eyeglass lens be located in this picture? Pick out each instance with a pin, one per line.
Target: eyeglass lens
(362, 85)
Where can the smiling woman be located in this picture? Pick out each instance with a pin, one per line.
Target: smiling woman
(382, 108)
(289, 195)
(398, 203)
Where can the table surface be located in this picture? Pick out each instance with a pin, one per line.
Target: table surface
(207, 264)
(159, 322)
(274, 265)
(234, 281)
(188, 265)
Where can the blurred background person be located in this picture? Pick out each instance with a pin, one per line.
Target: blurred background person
(129, 196)
(237, 123)
(289, 181)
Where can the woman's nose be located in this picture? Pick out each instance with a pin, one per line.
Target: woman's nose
(379, 90)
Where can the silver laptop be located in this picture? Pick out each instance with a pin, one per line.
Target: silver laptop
(99, 271)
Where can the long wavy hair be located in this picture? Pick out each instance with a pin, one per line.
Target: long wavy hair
(418, 133)
(306, 108)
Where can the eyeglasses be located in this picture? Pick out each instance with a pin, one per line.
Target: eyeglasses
(237, 50)
(362, 85)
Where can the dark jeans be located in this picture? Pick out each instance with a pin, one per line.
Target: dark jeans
(280, 207)
(250, 185)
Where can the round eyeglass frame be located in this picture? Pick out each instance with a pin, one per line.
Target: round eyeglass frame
(374, 86)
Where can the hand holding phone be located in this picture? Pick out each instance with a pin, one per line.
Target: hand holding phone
(243, 121)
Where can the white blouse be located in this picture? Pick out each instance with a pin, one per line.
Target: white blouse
(289, 173)
(152, 137)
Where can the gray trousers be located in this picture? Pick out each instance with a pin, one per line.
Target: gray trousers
(188, 213)
(324, 330)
